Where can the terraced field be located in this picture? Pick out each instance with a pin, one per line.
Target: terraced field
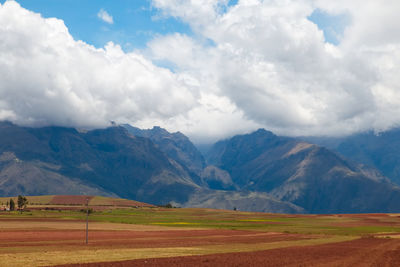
(137, 235)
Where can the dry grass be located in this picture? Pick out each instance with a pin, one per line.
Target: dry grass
(45, 258)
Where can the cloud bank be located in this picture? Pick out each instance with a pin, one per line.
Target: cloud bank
(275, 66)
(254, 64)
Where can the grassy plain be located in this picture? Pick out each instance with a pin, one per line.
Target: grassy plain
(42, 237)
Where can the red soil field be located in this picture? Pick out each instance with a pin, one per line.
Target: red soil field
(140, 239)
(360, 252)
(59, 241)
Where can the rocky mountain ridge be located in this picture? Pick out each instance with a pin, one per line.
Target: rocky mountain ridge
(307, 175)
(110, 160)
(256, 172)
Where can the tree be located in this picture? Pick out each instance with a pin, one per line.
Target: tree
(12, 204)
(22, 201)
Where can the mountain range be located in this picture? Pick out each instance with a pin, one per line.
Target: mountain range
(307, 175)
(109, 161)
(256, 172)
(378, 150)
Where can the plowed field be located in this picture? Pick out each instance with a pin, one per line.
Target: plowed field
(197, 237)
(360, 252)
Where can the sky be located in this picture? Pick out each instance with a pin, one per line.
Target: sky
(208, 68)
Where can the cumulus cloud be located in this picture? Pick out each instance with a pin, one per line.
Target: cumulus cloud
(47, 77)
(254, 64)
(274, 65)
(104, 16)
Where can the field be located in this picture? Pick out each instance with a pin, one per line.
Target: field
(75, 202)
(53, 233)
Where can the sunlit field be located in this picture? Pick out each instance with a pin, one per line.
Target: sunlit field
(55, 234)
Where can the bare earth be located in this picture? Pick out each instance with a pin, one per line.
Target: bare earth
(360, 252)
(60, 242)
(49, 242)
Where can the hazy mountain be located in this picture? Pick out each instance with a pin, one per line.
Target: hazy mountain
(380, 151)
(306, 175)
(108, 160)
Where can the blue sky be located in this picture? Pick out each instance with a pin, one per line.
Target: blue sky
(136, 22)
(333, 26)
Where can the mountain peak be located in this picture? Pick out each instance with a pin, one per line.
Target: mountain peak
(159, 130)
(262, 132)
(175, 145)
(306, 175)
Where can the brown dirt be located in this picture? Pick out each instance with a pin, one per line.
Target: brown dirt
(130, 203)
(95, 202)
(139, 239)
(369, 220)
(360, 252)
(34, 224)
(80, 207)
(70, 200)
(28, 237)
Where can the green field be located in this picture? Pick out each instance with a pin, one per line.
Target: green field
(130, 232)
(235, 220)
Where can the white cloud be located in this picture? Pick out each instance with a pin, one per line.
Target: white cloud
(196, 12)
(215, 119)
(49, 78)
(273, 64)
(104, 16)
(255, 64)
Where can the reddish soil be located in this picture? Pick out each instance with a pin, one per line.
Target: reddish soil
(80, 207)
(130, 203)
(366, 222)
(70, 200)
(361, 252)
(142, 239)
(27, 220)
(369, 220)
